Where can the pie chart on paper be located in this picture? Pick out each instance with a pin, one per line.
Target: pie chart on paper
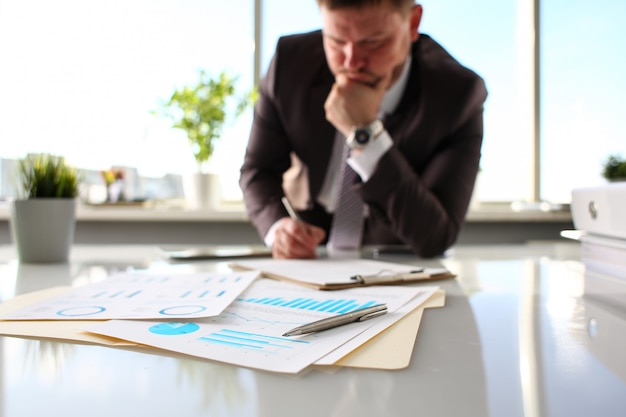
(173, 329)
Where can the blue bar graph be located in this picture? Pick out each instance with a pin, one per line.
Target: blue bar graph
(338, 306)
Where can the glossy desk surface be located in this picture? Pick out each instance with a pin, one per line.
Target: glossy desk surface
(516, 338)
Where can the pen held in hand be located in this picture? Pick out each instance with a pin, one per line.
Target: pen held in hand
(336, 321)
(292, 213)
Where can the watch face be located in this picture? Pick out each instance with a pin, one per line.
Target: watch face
(361, 136)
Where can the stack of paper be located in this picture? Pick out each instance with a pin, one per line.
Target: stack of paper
(598, 215)
(234, 318)
(604, 254)
(605, 268)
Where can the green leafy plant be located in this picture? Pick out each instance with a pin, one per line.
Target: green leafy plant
(202, 109)
(47, 176)
(614, 167)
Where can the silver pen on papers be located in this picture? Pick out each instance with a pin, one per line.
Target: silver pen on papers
(336, 321)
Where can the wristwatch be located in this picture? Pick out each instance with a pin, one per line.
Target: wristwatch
(361, 136)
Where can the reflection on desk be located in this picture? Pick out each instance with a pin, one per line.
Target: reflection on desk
(512, 340)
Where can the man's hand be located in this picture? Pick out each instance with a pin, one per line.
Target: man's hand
(354, 103)
(295, 239)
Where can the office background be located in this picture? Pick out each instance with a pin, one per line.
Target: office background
(517, 338)
(81, 78)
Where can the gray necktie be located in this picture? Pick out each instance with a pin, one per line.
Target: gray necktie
(347, 227)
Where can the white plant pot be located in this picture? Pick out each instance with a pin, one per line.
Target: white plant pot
(202, 191)
(43, 229)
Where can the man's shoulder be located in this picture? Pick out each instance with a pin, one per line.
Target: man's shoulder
(301, 43)
(300, 57)
(434, 57)
(447, 86)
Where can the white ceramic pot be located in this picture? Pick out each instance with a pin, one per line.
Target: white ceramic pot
(202, 191)
(43, 228)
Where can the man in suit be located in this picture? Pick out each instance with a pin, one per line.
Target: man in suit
(412, 115)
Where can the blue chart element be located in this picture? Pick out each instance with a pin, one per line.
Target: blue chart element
(245, 340)
(116, 294)
(192, 294)
(80, 311)
(331, 306)
(173, 329)
(182, 310)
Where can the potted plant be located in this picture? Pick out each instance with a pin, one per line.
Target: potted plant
(201, 110)
(615, 168)
(43, 216)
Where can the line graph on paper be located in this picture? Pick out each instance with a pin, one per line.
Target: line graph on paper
(251, 341)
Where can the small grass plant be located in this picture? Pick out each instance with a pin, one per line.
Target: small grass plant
(47, 176)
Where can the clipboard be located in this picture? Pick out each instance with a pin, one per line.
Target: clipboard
(339, 274)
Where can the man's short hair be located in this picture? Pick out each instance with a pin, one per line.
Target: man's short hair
(404, 6)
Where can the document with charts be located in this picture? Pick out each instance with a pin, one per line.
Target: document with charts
(249, 332)
(142, 295)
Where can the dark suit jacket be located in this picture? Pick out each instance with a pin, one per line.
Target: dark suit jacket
(421, 188)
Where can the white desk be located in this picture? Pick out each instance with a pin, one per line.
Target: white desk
(513, 340)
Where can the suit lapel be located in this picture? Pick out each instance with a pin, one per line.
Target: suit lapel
(323, 133)
(397, 122)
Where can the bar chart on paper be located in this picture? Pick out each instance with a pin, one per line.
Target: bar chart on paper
(331, 305)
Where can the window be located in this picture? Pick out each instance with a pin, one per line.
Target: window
(80, 77)
(483, 36)
(583, 92)
(285, 17)
(454, 25)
